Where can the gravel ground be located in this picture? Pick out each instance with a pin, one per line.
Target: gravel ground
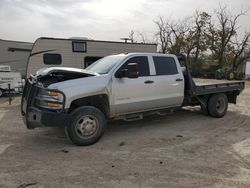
(184, 149)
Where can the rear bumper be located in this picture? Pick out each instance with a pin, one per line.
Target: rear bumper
(40, 118)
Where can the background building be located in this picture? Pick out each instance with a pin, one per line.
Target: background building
(15, 54)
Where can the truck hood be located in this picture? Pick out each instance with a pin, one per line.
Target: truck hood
(52, 75)
(46, 71)
(83, 87)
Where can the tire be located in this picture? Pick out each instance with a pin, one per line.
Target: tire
(217, 105)
(230, 75)
(87, 126)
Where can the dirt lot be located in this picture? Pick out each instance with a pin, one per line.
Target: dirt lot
(185, 149)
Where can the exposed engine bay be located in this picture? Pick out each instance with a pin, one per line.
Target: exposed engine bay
(49, 76)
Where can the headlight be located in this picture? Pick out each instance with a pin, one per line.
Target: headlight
(50, 99)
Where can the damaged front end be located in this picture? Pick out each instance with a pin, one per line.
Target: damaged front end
(42, 106)
(48, 76)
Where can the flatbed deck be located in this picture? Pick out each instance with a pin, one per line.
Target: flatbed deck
(209, 86)
(203, 81)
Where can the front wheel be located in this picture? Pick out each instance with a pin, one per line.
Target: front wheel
(87, 126)
(217, 105)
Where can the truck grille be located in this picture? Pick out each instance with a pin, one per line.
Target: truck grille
(29, 89)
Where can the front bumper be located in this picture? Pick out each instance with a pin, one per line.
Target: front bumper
(41, 118)
(34, 116)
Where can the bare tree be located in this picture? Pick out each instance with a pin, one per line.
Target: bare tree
(131, 36)
(205, 37)
(171, 34)
(240, 51)
(201, 20)
(219, 37)
(163, 33)
(179, 30)
(189, 45)
(142, 37)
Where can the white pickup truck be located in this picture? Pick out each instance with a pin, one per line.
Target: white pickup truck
(125, 86)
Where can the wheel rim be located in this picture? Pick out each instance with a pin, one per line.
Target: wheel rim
(1, 93)
(86, 126)
(231, 75)
(220, 105)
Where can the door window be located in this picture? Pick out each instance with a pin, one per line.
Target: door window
(165, 65)
(142, 65)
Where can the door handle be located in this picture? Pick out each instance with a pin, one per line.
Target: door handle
(149, 82)
(178, 80)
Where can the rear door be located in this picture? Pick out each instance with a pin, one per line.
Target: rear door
(133, 94)
(168, 81)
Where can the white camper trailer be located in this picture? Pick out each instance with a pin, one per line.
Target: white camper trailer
(15, 54)
(9, 80)
(78, 52)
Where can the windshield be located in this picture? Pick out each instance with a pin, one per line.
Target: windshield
(104, 65)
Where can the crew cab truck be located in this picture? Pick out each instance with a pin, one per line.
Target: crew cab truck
(124, 86)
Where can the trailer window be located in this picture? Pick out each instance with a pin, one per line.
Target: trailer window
(165, 65)
(79, 47)
(104, 65)
(52, 59)
(90, 59)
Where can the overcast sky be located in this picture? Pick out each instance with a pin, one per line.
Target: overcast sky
(26, 20)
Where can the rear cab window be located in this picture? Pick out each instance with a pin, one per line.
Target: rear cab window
(165, 65)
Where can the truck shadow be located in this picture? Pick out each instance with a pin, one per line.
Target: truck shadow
(154, 120)
(203, 151)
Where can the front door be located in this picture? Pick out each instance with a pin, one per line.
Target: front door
(133, 94)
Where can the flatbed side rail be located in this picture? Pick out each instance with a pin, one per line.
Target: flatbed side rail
(219, 88)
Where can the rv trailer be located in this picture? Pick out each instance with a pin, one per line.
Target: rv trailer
(15, 54)
(78, 52)
(9, 80)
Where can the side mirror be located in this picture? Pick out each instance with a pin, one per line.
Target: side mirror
(52, 59)
(130, 71)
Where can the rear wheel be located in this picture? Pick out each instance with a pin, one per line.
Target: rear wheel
(217, 105)
(87, 126)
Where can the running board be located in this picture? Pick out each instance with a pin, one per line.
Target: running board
(139, 116)
(133, 117)
(164, 113)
